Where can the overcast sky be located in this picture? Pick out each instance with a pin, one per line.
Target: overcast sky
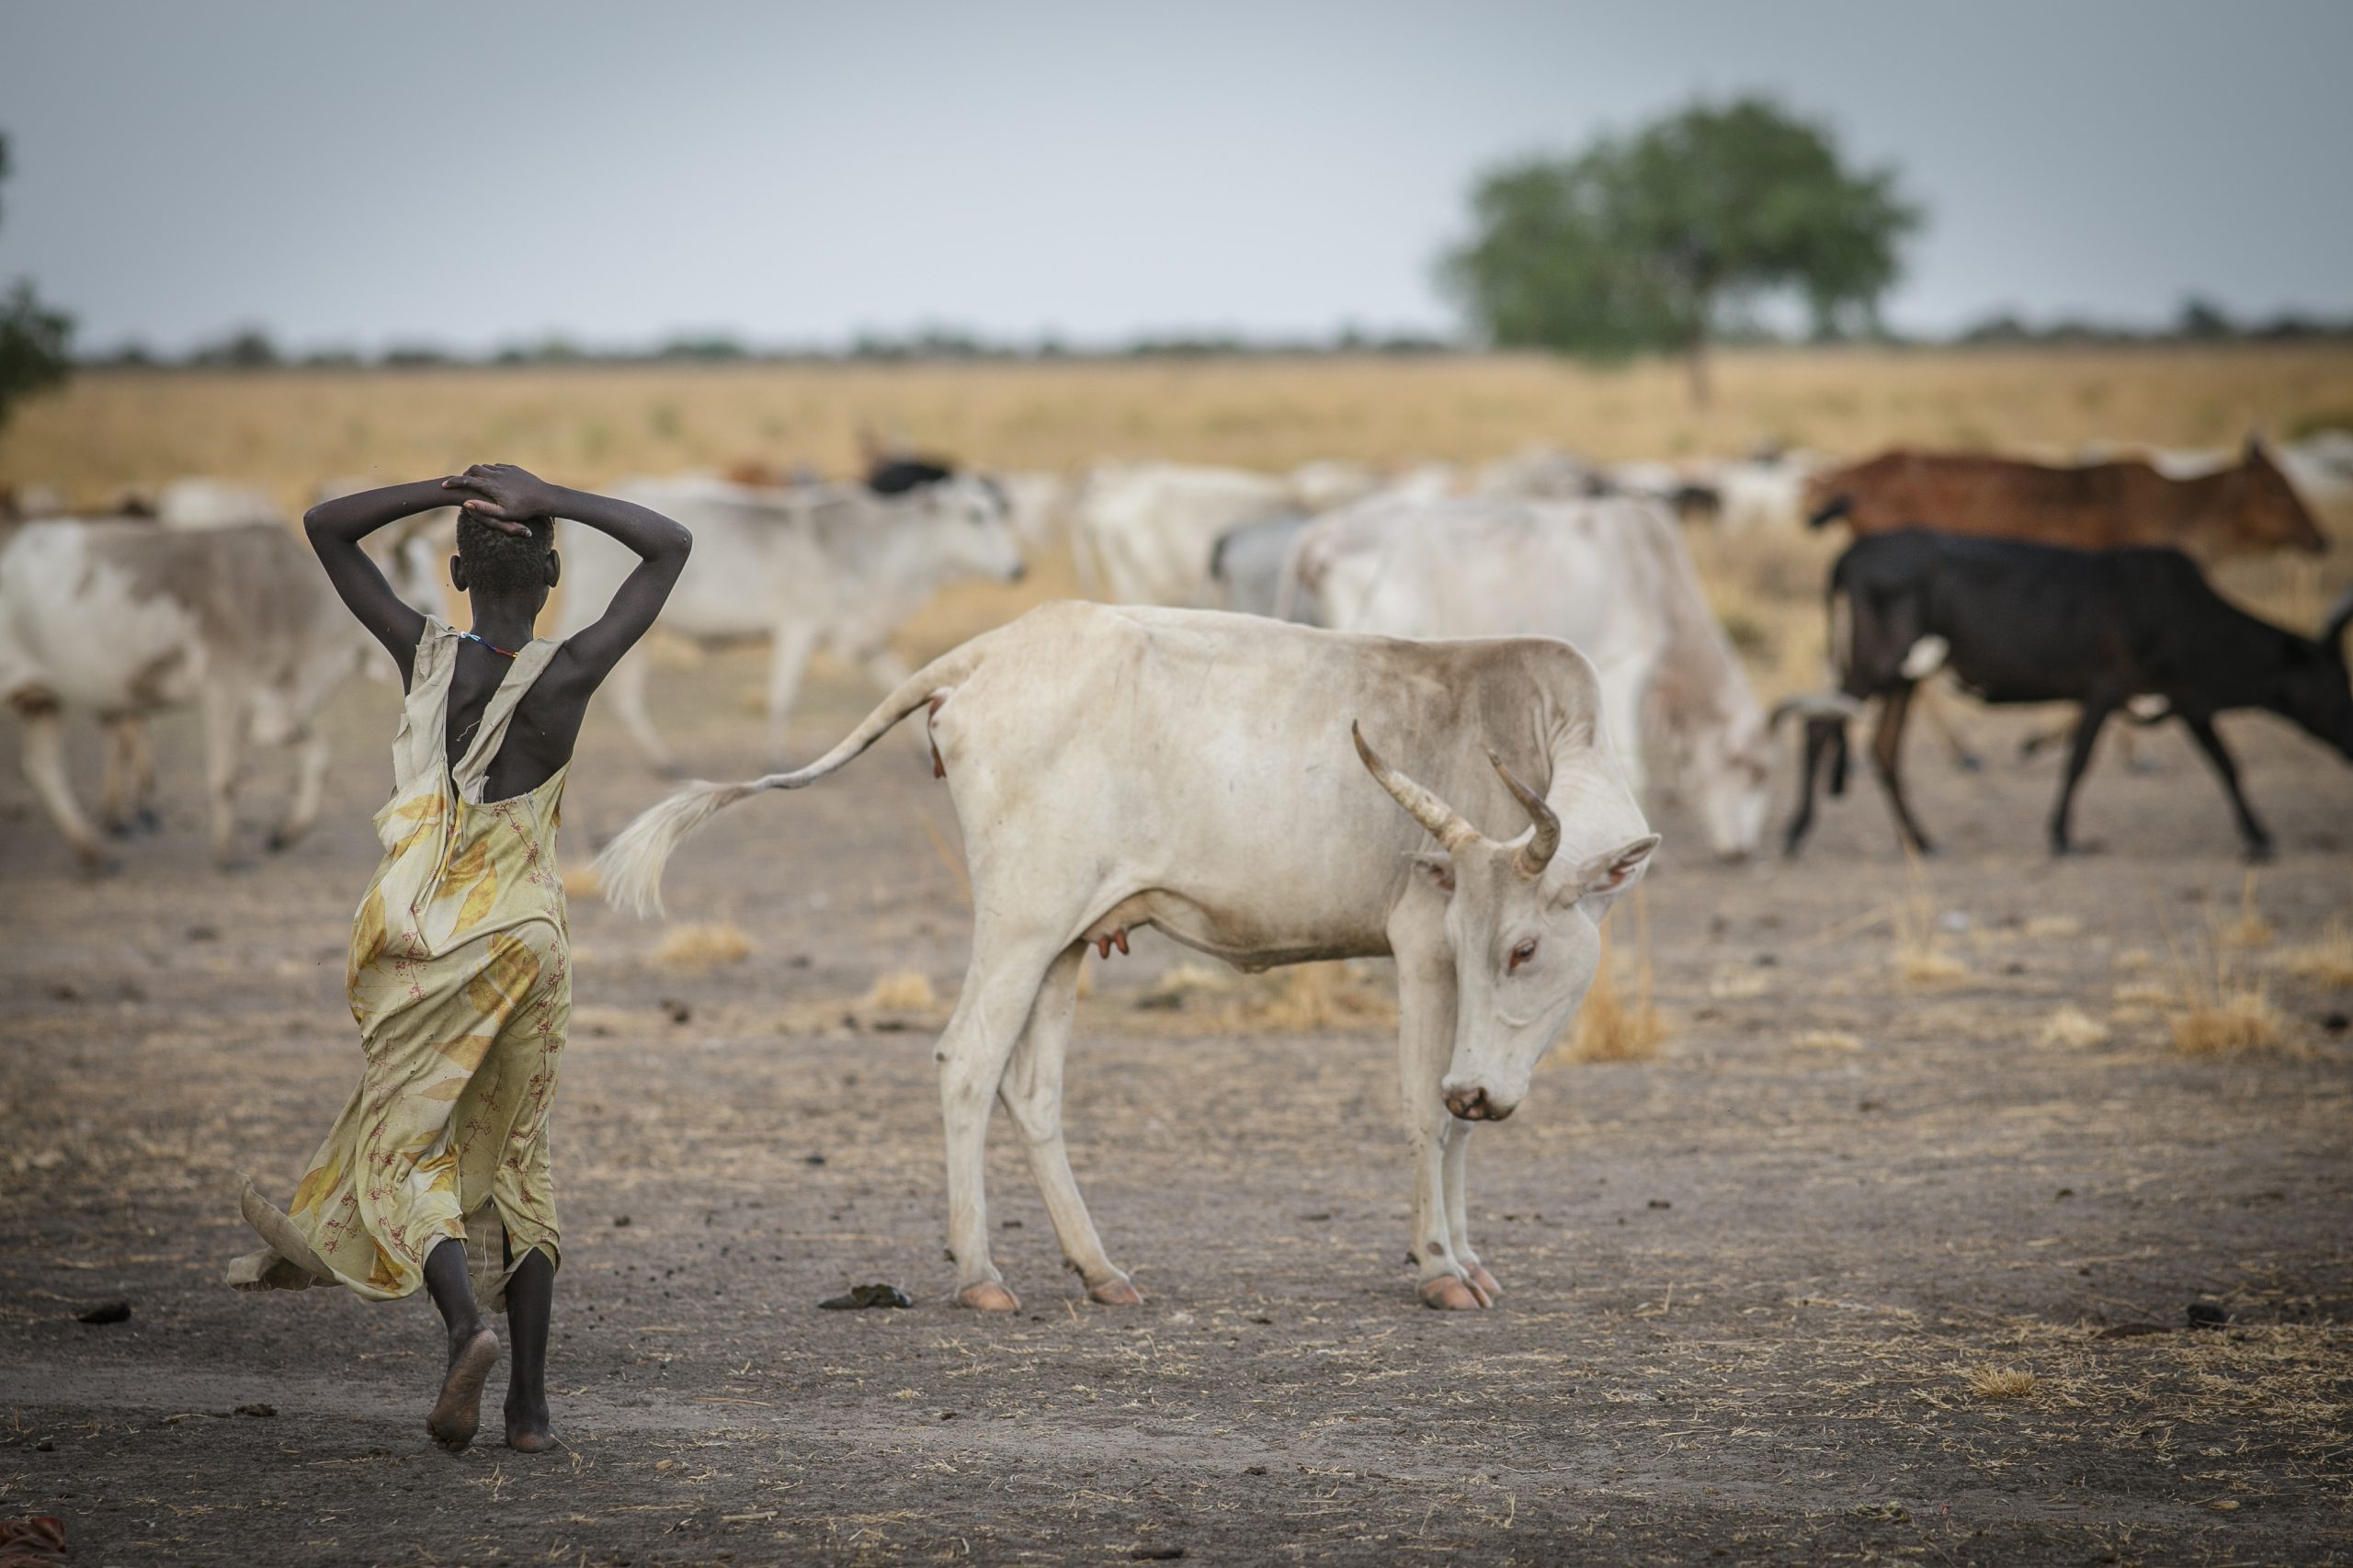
(480, 174)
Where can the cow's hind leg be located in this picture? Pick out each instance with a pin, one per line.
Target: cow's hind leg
(311, 755)
(1887, 750)
(2251, 832)
(1000, 991)
(224, 755)
(118, 796)
(1032, 1093)
(1821, 737)
(44, 765)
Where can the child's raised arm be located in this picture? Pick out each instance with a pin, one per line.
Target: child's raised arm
(335, 529)
(506, 495)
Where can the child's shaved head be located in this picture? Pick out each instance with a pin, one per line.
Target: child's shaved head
(502, 563)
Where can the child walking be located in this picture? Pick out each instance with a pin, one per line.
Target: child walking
(436, 1173)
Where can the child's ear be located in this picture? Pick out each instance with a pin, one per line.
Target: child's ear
(457, 572)
(555, 569)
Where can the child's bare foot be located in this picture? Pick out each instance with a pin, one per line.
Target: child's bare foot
(527, 1423)
(458, 1413)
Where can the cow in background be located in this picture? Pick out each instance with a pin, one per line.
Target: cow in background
(123, 620)
(1611, 576)
(2246, 509)
(805, 566)
(2134, 632)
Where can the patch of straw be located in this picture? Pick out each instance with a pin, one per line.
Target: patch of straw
(1178, 985)
(1619, 1023)
(2327, 960)
(1836, 1041)
(1739, 983)
(2000, 1382)
(583, 881)
(2043, 927)
(1920, 956)
(2072, 1029)
(901, 991)
(2217, 1012)
(702, 944)
(1311, 997)
(2250, 929)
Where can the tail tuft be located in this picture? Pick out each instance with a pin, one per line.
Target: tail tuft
(631, 867)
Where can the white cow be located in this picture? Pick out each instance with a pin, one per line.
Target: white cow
(1146, 529)
(1539, 472)
(200, 503)
(122, 620)
(1191, 771)
(805, 566)
(1609, 575)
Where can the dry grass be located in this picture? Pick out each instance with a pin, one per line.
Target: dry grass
(2248, 928)
(2045, 928)
(1618, 1021)
(901, 991)
(701, 945)
(2213, 1009)
(2072, 1029)
(1833, 1041)
(1921, 956)
(2326, 960)
(582, 882)
(2001, 1382)
(1179, 985)
(1308, 998)
(288, 430)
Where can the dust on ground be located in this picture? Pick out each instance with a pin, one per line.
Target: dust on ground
(1860, 1266)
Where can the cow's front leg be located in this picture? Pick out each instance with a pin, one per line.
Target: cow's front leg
(789, 650)
(44, 764)
(1032, 1093)
(1000, 989)
(627, 685)
(1424, 1049)
(117, 793)
(1458, 1214)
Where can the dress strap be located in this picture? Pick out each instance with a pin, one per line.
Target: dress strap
(418, 747)
(474, 766)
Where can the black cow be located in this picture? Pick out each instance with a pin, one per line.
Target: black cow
(897, 475)
(2134, 631)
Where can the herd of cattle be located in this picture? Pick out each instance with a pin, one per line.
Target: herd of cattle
(2023, 582)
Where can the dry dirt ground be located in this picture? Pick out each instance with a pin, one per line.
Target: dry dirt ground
(1758, 1289)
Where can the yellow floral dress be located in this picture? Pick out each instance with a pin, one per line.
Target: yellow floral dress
(459, 977)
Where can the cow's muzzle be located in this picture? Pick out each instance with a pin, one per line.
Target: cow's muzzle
(1472, 1104)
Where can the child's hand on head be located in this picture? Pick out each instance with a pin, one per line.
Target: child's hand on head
(505, 496)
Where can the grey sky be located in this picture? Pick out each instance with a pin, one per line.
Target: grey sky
(471, 175)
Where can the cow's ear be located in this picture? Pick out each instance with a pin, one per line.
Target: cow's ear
(1437, 867)
(1611, 870)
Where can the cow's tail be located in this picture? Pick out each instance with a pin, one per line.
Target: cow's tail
(630, 871)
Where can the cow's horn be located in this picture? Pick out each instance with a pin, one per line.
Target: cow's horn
(1446, 825)
(1537, 853)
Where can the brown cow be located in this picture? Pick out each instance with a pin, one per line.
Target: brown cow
(2248, 509)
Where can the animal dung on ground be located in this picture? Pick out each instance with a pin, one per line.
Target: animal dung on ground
(865, 1298)
(702, 944)
(107, 1312)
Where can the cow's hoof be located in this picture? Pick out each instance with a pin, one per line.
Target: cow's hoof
(116, 829)
(988, 1296)
(1116, 1292)
(1448, 1294)
(148, 822)
(280, 841)
(1486, 1281)
(2258, 853)
(95, 864)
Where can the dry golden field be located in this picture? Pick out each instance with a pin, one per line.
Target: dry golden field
(291, 429)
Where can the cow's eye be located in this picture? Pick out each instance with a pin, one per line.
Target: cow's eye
(1522, 954)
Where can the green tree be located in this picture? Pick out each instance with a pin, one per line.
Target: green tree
(1650, 243)
(35, 341)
